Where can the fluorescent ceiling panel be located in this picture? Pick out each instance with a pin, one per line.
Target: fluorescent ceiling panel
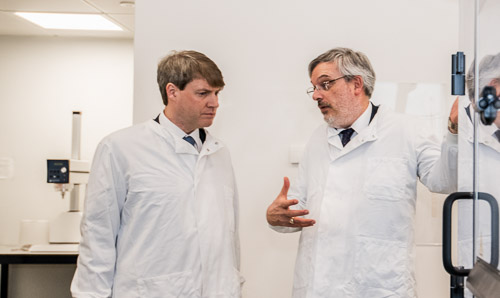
(70, 21)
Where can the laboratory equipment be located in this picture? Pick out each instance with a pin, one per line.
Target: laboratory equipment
(69, 175)
(488, 105)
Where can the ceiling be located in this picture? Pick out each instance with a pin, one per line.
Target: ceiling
(11, 24)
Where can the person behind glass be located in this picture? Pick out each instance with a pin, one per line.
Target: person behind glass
(489, 162)
(354, 199)
(161, 212)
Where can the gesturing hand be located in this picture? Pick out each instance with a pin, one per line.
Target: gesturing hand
(279, 213)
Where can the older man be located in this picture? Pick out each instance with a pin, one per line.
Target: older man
(161, 213)
(489, 162)
(354, 200)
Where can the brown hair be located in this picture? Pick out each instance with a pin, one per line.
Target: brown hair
(180, 68)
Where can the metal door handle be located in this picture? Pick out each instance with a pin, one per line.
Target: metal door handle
(448, 204)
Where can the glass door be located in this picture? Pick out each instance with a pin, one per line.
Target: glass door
(478, 135)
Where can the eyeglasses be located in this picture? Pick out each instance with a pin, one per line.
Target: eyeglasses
(323, 86)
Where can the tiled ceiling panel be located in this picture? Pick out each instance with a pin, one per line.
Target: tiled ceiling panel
(112, 6)
(11, 24)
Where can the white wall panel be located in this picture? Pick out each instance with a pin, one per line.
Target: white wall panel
(263, 49)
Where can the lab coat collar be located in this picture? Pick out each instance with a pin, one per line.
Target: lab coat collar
(211, 145)
(173, 134)
(485, 132)
(366, 135)
(485, 135)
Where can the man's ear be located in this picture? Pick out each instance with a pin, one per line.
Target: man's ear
(171, 91)
(358, 85)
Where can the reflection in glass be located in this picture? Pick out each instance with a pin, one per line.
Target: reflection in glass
(488, 152)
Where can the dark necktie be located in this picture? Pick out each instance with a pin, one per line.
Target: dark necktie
(190, 140)
(497, 134)
(345, 136)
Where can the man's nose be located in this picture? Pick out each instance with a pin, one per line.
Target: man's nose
(214, 101)
(317, 95)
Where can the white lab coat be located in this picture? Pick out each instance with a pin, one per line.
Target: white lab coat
(363, 202)
(160, 219)
(489, 169)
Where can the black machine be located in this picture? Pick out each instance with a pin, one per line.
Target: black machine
(488, 105)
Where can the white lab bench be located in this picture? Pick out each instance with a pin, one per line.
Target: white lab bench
(13, 255)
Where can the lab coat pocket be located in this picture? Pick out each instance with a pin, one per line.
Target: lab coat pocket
(153, 195)
(229, 207)
(383, 269)
(155, 184)
(387, 178)
(175, 285)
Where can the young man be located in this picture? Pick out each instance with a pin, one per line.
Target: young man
(161, 213)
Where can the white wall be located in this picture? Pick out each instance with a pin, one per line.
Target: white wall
(263, 48)
(42, 80)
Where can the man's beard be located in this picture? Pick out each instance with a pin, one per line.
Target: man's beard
(330, 120)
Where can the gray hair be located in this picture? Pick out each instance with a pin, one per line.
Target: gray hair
(489, 69)
(349, 63)
(180, 68)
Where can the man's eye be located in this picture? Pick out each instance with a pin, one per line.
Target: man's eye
(325, 85)
(203, 93)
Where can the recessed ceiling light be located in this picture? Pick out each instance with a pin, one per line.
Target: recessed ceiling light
(70, 21)
(127, 3)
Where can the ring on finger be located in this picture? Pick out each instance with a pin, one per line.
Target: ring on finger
(291, 221)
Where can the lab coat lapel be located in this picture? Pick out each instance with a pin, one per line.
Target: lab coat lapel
(495, 144)
(366, 136)
(210, 146)
(483, 137)
(489, 140)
